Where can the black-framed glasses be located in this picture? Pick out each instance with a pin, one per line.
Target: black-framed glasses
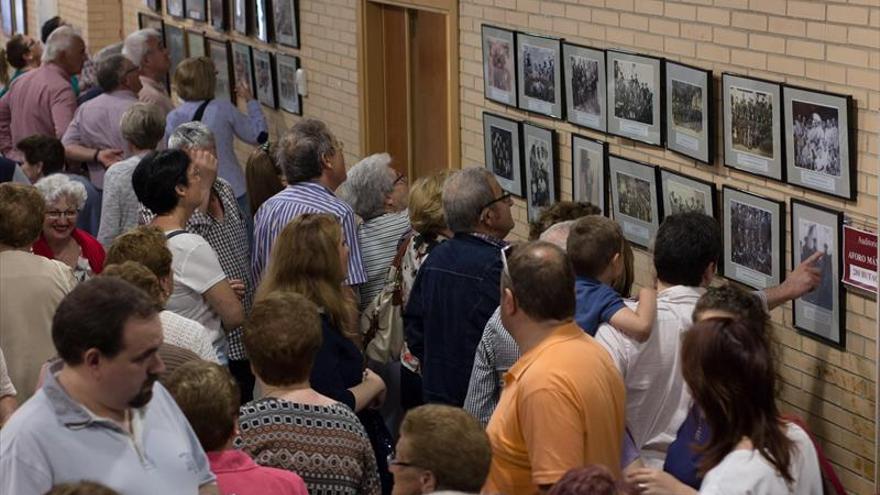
(400, 178)
(505, 196)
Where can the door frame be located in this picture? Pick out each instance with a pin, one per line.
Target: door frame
(370, 77)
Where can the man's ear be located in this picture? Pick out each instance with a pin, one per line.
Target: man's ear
(508, 301)
(709, 273)
(428, 482)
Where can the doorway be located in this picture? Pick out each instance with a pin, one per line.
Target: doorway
(409, 83)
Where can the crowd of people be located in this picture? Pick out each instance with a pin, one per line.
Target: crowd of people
(300, 327)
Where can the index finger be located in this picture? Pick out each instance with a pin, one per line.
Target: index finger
(814, 257)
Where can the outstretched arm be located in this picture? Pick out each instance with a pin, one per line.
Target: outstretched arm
(804, 278)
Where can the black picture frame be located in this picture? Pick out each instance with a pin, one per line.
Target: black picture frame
(539, 154)
(195, 44)
(696, 194)
(635, 201)
(242, 65)
(503, 144)
(753, 254)
(176, 8)
(147, 21)
(822, 160)
(262, 20)
(746, 146)
(633, 80)
(589, 183)
(175, 41)
(821, 313)
(264, 78)
(586, 93)
(690, 111)
(242, 12)
(539, 89)
(285, 16)
(499, 64)
(219, 15)
(154, 5)
(289, 98)
(197, 10)
(220, 52)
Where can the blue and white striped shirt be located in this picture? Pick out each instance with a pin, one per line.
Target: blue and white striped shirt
(296, 199)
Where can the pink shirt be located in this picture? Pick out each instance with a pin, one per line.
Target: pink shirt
(96, 124)
(238, 474)
(153, 91)
(39, 102)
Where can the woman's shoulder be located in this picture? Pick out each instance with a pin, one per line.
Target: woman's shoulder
(337, 411)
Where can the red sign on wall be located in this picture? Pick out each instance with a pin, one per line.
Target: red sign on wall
(860, 258)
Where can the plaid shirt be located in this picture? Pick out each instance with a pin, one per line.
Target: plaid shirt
(229, 239)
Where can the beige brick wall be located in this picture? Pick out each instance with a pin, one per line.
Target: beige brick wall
(826, 45)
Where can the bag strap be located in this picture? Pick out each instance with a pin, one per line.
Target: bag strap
(174, 233)
(201, 110)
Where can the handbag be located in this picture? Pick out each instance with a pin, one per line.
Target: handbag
(382, 321)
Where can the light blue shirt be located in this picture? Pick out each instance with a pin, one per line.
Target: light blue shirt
(227, 123)
(53, 439)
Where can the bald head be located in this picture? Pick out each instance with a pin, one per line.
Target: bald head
(542, 280)
(557, 234)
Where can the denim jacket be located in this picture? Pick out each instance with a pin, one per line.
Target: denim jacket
(453, 296)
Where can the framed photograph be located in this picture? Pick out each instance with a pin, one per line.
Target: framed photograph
(220, 53)
(242, 66)
(261, 20)
(154, 5)
(8, 19)
(542, 187)
(752, 125)
(499, 65)
(635, 88)
(195, 44)
(585, 80)
(682, 193)
(819, 143)
(219, 15)
(289, 98)
(147, 21)
(264, 74)
(175, 8)
(240, 15)
(21, 16)
(820, 313)
(502, 140)
(753, 238)
(539, 72)
(286, 17)
(589, 159)
(175, 41)
(197, 10)
(634, 199)
(690, 118)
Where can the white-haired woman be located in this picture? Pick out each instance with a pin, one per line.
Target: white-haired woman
(378, 194)
(60, 239)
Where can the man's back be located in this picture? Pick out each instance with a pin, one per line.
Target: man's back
(455, 293)
(657, 398)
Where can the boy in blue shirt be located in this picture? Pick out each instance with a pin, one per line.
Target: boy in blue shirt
(595, 246)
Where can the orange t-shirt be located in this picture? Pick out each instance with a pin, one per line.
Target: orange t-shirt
(562, 407)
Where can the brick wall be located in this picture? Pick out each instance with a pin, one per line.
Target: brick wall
(832, 46)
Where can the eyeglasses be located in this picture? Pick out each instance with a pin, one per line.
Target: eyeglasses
(129, 71)
(504, 197)
(55, 214)
(400, 178)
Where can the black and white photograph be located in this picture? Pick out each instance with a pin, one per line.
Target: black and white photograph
(175, 8)
(635, 87)
(242, 66)
(818, 152)
(197, 10)
(147, 21)
(540, 161)
(21, 16)
(588, 162)
(286, 20)
(8, 20)
(261, 20)
(175, 41)
(502, 144)
(289, 98)
(219, 52)
(195, 44)
(154, 5)
(753, 238)
(265, 78)
(682, 193)
(219, 15)
(240, 15)
(689, 116)
(815, 229)
(499, 65)
(634, 199)
(540, 74)
(585, 93)
(752, 126)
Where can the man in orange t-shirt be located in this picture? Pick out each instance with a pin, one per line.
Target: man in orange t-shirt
(563, 401)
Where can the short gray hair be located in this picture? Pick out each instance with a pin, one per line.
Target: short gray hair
(191, 135)
(57, 186)
(111, 70)
(143, 125)
(368, 184)
(114, 49)
(61, 39)
(558, 233)
(136, 46)
(465, 194)
(302, 149)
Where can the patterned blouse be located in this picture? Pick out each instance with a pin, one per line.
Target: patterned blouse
(325, 445)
